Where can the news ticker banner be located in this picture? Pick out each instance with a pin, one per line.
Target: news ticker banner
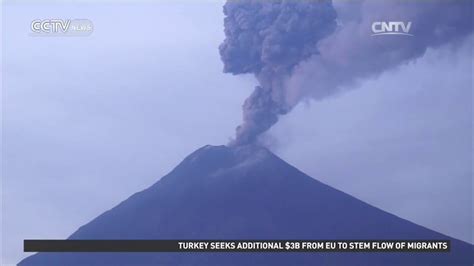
(237, 245)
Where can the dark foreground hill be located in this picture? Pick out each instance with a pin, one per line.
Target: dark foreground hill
(219, 192)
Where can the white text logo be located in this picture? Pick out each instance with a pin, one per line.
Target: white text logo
(391, 28)
(61, 27)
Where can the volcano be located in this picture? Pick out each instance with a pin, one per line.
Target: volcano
(247, 192)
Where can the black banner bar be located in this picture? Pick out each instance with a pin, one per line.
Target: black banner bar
(237, 245)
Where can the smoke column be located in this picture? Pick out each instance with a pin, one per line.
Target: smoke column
(269, 38)
(300, 49)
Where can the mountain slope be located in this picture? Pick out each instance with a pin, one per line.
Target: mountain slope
(247, 192)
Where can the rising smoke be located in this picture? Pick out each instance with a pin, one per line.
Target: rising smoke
(268, 39)
(301, 48)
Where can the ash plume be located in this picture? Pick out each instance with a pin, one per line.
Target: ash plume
(268, 39)
(296, 51)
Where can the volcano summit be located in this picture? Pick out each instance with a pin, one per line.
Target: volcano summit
(247, 192)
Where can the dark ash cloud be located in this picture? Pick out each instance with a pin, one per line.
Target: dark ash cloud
(296, 51)
(268, 39)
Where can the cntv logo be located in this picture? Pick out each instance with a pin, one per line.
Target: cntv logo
(391, 28)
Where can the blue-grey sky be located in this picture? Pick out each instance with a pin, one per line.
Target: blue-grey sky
(90, 120)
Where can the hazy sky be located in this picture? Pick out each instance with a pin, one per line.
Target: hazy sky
(88, 121)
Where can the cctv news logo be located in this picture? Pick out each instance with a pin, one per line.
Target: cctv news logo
(61, 27)
(391, 28)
